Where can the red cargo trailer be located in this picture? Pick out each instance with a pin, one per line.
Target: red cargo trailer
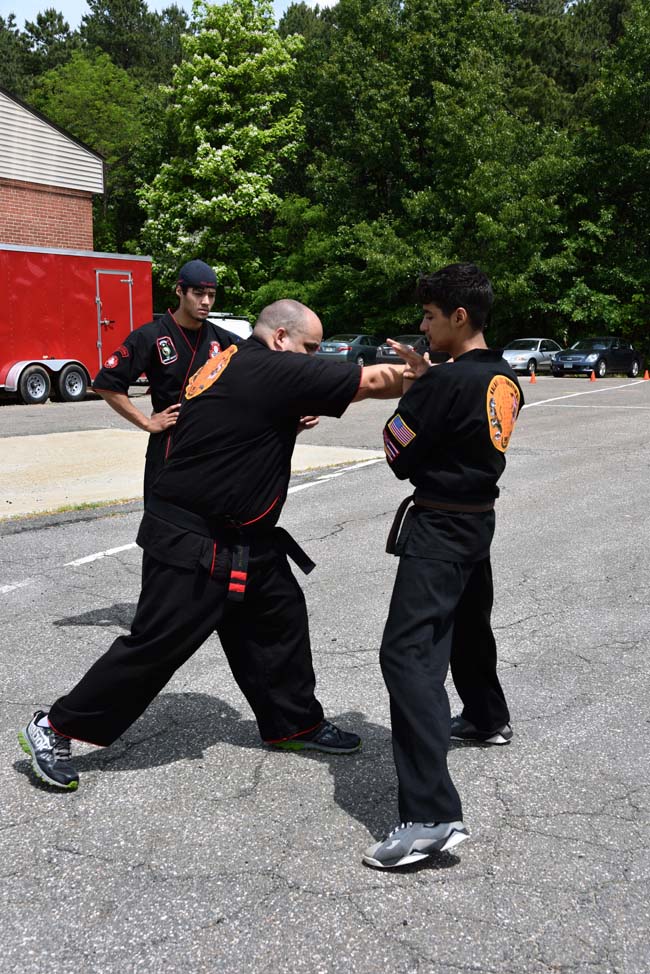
(63, 312)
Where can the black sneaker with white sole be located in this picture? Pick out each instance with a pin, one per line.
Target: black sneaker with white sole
(51, 754)
(327, 737)
(412, 841)
(464, 730)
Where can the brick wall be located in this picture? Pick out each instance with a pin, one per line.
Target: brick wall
(45, 216)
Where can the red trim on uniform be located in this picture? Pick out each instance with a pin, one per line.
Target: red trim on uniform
(199, 335)
(71, 738)
(214, 556)
(279, 740)
(236, 588)
(240, 576)
(270, 508)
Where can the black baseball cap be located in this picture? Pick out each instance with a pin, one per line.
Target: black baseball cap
(196, 273)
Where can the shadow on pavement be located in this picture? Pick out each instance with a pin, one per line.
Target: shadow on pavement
(182, 726)
(120, 614)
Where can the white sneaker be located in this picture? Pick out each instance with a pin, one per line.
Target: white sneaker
(412, 841)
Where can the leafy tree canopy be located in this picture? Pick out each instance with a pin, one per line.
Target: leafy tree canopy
(232, 131)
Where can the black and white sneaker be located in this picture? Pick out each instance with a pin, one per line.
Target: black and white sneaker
(50, 753)
(413, 841)
(464, 730)
(327, 737)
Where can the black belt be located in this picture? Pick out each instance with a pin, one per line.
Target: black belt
(431, 506)
(229, 532)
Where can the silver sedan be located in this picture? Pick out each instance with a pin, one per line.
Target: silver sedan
(531, 354)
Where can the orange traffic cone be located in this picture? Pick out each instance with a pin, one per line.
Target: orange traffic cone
(646, 374)
(533, 378)
(592, 377)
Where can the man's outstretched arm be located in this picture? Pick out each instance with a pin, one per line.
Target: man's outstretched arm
(380, 382)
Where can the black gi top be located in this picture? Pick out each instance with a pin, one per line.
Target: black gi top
(448, 436)
(231, 448)
(167, 353)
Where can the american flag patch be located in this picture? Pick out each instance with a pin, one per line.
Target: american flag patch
(402, 433)
(390, 449)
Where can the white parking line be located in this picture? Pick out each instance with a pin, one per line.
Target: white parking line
(9, 588)
(331, 476)
(589, 392)
(4, 589)
(98, 555)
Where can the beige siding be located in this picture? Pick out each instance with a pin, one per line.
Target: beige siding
(35, 152)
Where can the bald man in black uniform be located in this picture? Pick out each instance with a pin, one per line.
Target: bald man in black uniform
(448, 436)
(214, 557)
(168, 350)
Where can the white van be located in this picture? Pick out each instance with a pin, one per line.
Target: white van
(236, 324)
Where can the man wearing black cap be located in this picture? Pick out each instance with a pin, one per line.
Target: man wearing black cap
(168, 350)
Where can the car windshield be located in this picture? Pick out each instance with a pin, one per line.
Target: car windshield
(526, 344)
(341, 338)
(590, 344)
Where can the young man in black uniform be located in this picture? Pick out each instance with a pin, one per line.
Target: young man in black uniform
(168, 350)
(213, 556)
(448, 436)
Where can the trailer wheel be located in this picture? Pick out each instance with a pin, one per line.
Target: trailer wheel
(34, 385)
(71, 384)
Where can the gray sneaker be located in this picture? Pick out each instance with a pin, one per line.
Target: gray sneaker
(464, 730)
(327, 737)
(50, 753)
(412, 841)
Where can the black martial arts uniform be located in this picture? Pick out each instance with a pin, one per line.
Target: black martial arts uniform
(167, 354)
(213, 555)
(448, 436)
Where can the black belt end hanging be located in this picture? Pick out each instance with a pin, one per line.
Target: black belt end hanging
(238, 573)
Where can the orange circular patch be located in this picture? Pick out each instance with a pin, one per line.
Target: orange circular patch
(209, 372)
(502, 409)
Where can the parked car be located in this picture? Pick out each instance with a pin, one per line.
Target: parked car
(600, 356)
(350, 348)
(531, 354)
(388, 355)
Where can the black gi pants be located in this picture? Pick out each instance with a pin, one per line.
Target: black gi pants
(265, 638)
(154, 461)
(439, 614)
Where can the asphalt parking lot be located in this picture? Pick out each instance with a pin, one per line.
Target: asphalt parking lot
(189, 848)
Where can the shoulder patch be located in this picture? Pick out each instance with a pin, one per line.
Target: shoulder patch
(208, 374)
(402, 433)
(111, 362)
(502, 404)
(214, 349)
(166, 350)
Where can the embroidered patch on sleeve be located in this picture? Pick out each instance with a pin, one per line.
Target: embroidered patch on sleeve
(402, 433)
(208, 374)
(502, 408)
(111, 362)
(123, 351)
(390, 449)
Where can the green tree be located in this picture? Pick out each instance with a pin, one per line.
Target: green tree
(417, 157)
(102, 106)
(231, 132)
(49, 40)
(144, 43)
(14, 69)
(610, 290)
